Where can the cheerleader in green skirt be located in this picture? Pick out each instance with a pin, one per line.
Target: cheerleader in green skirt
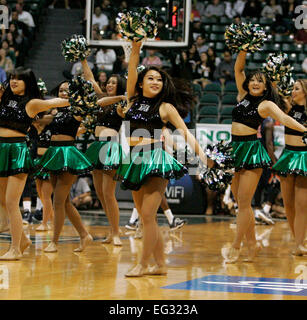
(257, 101)
(292, 169)
(148, 167)
(20, 103)
(105, 153)
(63, 161)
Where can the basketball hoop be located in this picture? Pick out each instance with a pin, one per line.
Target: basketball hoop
(127, 46)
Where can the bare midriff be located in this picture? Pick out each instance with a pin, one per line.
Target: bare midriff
(240, 129)
(295, 141)
(9, 133)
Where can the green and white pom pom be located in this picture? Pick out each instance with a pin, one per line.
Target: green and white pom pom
(216, 179)
(137, 25)
(286, 84)
(82, 97)
(42, 86)
(244, 36)
(277, 66)
(75, 48)
(89, 122)
(139, 69)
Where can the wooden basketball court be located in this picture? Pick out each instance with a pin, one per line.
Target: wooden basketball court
(196, 270)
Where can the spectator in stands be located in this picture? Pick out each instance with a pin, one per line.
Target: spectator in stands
(100, 20)
(107, 8)
(197, 29)
(271, 9)
(5, 62)
(3, 76)
(202, 71)
(80, 193)
(300, 36)
(304, 65)
(233, 9)
(201, 46)
(9, 51)
(193, 54)
(237, 19)
(123, 6)
(213, 61)
(102, 80)
(194, 12)
(21, 26)
(200, 6)
(184, 67)
(252, 9)
(215, 9)
(281, 26)
(105, 59)
(152, 59)
(224, 73)
(25, 17)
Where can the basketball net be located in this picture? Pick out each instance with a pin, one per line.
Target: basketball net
(127, 46)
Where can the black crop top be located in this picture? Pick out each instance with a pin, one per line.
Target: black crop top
(108, 117)
(140, 117)
(64, 123)
(246, 112)
(299, 114)
(13, 115)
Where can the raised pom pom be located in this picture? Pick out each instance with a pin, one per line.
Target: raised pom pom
(82, 97)
(137, 25)
(75, 48)
(277, 66)
(244, 36)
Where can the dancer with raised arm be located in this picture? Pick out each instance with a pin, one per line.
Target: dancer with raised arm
(152, 102)
(257, 101)
(20, 103)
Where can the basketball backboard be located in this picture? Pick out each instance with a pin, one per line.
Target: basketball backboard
(174, 15)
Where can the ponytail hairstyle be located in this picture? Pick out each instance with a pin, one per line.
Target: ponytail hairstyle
(31, 88)
(270, 92)
(174, 91)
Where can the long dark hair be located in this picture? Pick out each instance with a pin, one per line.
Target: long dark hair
(121, 84)
(270, 93)
(175, 91)
(55, 91)
(31, 88)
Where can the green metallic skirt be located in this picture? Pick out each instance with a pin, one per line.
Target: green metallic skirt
(14, 156)
(141, 164)
(63, 156)
(41, 175)
(249, 153)
(292, 161)
(105, 155)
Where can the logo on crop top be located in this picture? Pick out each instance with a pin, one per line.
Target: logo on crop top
(297, 115)
(144, 107)
(12, 104)
(245, 103)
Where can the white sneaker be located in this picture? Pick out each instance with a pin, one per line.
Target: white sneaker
(259, 214)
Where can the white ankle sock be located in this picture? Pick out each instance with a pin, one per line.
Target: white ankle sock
(169, 215)
(134, 216)
(26, 205)
(266, 208)
(39, 204)
(257, 211)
